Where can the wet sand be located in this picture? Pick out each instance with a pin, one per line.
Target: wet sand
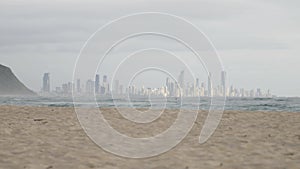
(51, 137)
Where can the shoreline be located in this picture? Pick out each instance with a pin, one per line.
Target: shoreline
(169, 109)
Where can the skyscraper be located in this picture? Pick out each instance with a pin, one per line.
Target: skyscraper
(167, 81)
(172, 89)
(197, 83)
(181, 84)
(97, 83)
(78, 85)
(121, 90)
(90, 86)
(46, 82)
(223, 82)
(181, 79)
(105, 86)
(168, 85)
(209, 85)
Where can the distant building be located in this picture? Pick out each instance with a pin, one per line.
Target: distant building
(46, 82)
(181, 79)
(209, 85)
(78, 85)
(65, 88)
(181, 83)
(105, 86)
(90, 87)
(170, 88)
(97, 83)
(58, 90)
(168, 85)
(70, 87)
(223, 83)
(197, 83)
(258, 92)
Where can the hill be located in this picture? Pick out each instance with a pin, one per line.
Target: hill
(10, 84)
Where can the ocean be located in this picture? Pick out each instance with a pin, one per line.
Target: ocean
(280, 104)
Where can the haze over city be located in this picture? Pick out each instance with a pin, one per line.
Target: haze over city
(256, 40)
(101, 86)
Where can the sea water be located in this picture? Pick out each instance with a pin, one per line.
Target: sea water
(289, 104)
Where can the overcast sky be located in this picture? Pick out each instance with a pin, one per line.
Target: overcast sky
(257, 40)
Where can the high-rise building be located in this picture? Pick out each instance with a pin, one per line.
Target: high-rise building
(258, 92)
(269, 93)
(203, 85)
(167, 81)
(97, 83)
(90, 86)
(172, 89)
(78, 85)
(209, 86)
(70, 87)
(105, 86)
(181, 82)
(223, 82)
(181, 79)
(65, 88)
(197, 83)
(46, 82)
(168, 86)
(58, 90)
(231, 91)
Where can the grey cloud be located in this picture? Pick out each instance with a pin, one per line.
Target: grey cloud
(52, 32)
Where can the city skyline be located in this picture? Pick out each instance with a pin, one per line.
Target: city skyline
(171, 88)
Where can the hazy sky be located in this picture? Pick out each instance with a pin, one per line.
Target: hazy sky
(258, 40)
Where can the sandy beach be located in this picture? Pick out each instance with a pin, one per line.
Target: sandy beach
(51, 137)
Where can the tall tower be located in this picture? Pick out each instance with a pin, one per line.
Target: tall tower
(90, 86)
(46, 82)
(168, 86)
(97, 83)
(105, 87)
(197, 83)
(181, 79)
(209, 85)
(167, 81)
(78, 85)
(223, 82)
(181, 82)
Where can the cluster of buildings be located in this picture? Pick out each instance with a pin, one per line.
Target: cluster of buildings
(89, 87)
(171, 88)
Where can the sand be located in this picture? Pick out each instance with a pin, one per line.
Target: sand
(51, 137)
